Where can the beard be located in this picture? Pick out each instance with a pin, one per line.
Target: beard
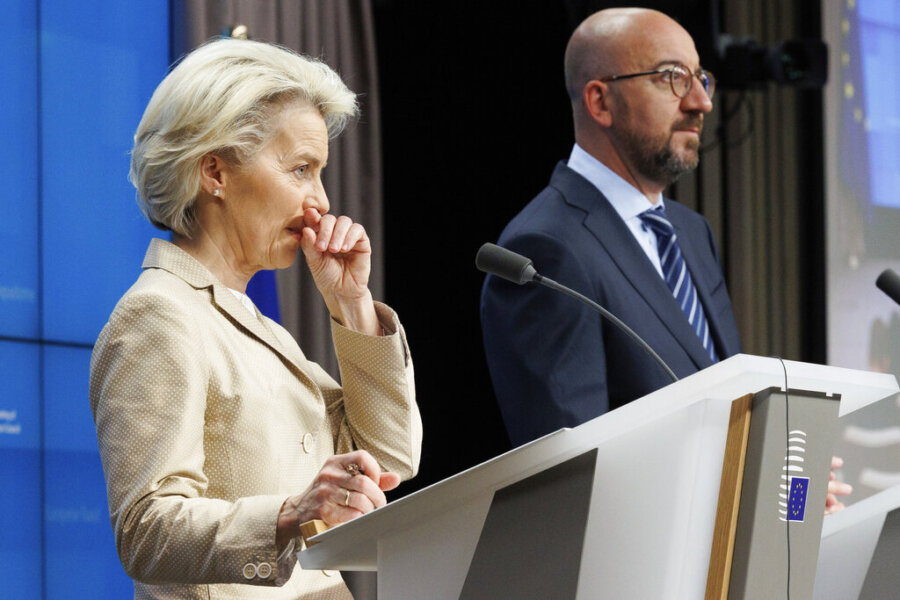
(654, 158)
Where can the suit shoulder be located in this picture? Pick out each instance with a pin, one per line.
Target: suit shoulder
(547, 213)
(161, 283)
(157, 295)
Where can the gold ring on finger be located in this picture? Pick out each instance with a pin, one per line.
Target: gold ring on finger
(347, 498)
(354, 469)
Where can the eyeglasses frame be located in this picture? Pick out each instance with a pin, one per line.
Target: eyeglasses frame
(710, 79)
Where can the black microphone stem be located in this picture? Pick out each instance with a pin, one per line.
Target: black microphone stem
(889, 283)
(546, 281)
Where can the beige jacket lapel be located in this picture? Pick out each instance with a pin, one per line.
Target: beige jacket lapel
(169, 257)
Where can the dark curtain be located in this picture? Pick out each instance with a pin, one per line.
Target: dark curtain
(761, 187)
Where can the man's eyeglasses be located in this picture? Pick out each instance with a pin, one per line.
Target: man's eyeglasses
(680, 79)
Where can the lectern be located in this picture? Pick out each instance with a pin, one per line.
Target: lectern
(859, 556)
(623, 506)
(860, 552)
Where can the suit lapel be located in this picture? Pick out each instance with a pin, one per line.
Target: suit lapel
(613, 235)
(231, 307)
(228, 304)
(165, 255)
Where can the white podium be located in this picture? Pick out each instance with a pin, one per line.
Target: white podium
(860, 552)
(626, 503)
(859, 556)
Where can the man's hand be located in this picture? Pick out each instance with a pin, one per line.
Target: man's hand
(836, 488)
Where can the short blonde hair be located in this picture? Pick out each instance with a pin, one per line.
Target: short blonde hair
(221, 98)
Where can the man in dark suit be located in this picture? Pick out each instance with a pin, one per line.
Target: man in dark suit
(638, 98)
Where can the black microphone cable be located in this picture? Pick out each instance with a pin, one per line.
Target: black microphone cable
(787, 442)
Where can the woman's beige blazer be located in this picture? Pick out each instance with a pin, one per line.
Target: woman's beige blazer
(208, 416)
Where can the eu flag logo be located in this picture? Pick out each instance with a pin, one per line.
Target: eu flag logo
(797, 498)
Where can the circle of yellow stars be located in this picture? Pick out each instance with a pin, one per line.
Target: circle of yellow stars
(849, 89)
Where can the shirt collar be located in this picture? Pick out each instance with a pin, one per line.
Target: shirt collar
(628, 201)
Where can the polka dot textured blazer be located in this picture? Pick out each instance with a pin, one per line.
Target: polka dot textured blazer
(208, 417)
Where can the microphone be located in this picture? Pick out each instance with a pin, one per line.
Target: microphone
(513, 267)
(889, 283)
(504, 263)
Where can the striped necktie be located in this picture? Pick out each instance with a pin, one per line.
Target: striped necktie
(677, 276)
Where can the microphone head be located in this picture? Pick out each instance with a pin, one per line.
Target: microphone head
(504, 263)
(889, 283)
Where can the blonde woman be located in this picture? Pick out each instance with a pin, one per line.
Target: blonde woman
(217, 436)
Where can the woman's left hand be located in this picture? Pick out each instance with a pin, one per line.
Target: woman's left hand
(338, 254)
(347, 486)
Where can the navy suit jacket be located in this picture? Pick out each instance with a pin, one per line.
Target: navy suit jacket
(557, 363)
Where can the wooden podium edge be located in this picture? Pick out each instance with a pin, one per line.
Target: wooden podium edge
(733, 462)
(312, 528)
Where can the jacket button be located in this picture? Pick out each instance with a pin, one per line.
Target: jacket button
(249, 571)
(307, 442)
(264, 570)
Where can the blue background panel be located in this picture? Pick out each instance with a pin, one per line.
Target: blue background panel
(73, 239)
(20, 396)
(68, 423)
(19, 164)
(80, 551)
(104, 58)
(20, 470)
(78, 538)
(879, 22)
(20, 523)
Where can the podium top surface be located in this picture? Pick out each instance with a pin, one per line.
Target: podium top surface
(355, 542)
(876, 505)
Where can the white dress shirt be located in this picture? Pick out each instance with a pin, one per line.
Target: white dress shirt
(628, 201)
(245, 300)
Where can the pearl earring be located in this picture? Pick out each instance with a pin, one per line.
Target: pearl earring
(216, 192)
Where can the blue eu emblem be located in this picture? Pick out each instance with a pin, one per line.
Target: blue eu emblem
(797, 498)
